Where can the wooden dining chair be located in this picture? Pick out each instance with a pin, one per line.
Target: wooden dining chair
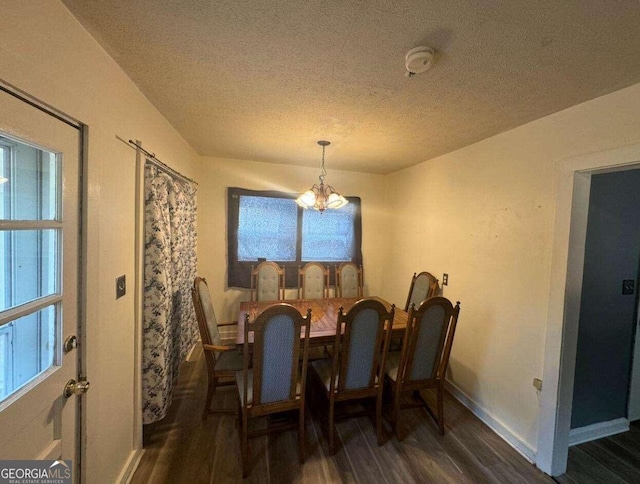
(349, 280)
(423, 286)
(275, 381)
(313, 281)
(422, 362)
(267, 282)
(222, 360)
(357, 368)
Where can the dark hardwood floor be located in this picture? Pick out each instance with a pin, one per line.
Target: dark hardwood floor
(181, 448)
(615, 459)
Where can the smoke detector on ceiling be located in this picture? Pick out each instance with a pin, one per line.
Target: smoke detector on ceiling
(418, 60)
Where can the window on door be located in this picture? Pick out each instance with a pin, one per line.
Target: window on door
(30, 238)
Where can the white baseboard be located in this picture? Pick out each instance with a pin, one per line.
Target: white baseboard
(598, 431)
(130, 467)
(493, 423)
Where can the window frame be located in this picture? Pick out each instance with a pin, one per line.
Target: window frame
(239, 272)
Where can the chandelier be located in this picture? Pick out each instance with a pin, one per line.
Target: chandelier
(321, 197)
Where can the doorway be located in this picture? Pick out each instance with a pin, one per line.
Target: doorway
(573, 183)
(608, 307)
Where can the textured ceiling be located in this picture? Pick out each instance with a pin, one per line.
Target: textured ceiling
(264, 80)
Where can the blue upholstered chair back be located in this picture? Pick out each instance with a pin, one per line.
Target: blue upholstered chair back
(423, 286)
(366, 329)
(206, 317)
(430, 332)
(209, 314)
(277, 358)
(349, 280)
(314, 280)
(362, 349)
(430, 337)
(268, 282)
(276, 354)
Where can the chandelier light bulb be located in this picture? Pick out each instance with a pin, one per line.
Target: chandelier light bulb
(320, 197)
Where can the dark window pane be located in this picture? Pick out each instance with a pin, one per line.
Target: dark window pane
(328, 236)
(267, 227)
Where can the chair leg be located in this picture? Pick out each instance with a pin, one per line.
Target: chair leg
(301, 436)
(332, 444)
(396, 413)
(379, 417)
(207, 406)
(244, 436)
(440, 408)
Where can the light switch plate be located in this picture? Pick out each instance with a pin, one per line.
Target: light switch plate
(121, 286)
(445, 279)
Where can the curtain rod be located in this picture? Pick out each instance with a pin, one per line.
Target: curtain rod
(152, 158)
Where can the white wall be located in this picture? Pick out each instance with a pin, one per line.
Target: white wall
(218, 174)
(45, 52)
(484, 214)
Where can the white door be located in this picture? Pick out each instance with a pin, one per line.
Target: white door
(39, 273)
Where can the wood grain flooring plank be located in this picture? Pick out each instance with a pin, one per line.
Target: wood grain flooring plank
(355, 447)
(503, 472)
(583, 469)
(429, 452)
(389, 457)
(182, 448)
(470, 430)
(565, 479)
(259, 460)
(340, 460)
(318, 466)
(618, 454)
(619, 460)
(628, 440)
(338, 466)
(283, 457)
(227, 464)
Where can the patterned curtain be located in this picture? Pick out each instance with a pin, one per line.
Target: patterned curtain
(170, 328)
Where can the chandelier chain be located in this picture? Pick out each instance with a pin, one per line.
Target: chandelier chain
(323, 173)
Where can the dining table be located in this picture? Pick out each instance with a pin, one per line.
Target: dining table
(324, 316)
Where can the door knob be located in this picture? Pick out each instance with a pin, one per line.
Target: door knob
(75, 388)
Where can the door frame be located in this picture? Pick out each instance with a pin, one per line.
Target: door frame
(572, 188)
(633, 403)
(84, 308)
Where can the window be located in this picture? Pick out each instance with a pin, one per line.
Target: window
(30, 234)
(271, 226)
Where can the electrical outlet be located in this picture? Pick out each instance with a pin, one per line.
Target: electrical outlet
(121, 286)
(537, 382)
(445, 279)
